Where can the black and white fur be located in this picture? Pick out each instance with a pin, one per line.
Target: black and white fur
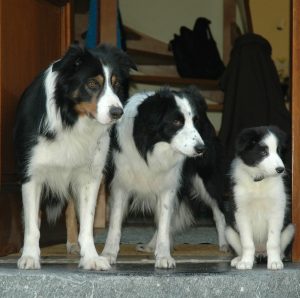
(202, 182)
(61, 140)
(158, 132)
(259, 222)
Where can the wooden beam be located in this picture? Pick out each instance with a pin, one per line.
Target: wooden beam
(66, 26)
(296, 126)
(228, 21)
(108, 21)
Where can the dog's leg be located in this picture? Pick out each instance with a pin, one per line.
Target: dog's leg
(31, 194)
(248, 248)
(87, 196)
(72, 229)
(119, 203)
(273, 242)
(149, 247)
(162, 250)
(286, 238)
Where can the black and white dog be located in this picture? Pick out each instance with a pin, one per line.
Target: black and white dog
(259, 224)
(158, 131)
(201, 182)
(61, 140)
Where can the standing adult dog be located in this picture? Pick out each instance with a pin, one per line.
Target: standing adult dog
(259, 224)
(61, 140)
(150, 144)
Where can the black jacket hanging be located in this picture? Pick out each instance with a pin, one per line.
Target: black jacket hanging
(252, 92)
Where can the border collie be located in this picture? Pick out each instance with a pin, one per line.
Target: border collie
(260, 225)
(158, 132)
(202, 182)
(61, 141)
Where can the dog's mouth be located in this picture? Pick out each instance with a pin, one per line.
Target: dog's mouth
(258, 178)
(198, 154)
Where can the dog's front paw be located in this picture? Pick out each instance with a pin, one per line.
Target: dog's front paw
(94, 263)
(275, 264)
(244, 265)
(111, 258)
(144, 248)
(29, 262)
(73, 248)
(234, 261)
(165, 263)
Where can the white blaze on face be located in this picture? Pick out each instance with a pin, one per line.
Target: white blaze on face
(273, 161)
(187, 137)
(107, 99)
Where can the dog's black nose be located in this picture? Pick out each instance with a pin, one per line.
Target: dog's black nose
(116, 112)
(199, 148)
(279, 170)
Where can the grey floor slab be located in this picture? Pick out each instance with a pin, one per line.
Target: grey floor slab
(143, 234)
(187, 280)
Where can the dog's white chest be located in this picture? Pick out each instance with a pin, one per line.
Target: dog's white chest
(161, 171)
(69, 151)
(258, 204)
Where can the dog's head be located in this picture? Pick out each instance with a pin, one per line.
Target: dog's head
(172, 118)
(260, 148)
(91, 83)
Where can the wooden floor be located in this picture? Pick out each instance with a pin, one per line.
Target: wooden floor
(182, 253)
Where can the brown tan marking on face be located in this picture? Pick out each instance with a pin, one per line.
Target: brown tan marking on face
(86, 109)
(113, 80)
(99, 79)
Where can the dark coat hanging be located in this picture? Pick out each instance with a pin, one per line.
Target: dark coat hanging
(252, 92)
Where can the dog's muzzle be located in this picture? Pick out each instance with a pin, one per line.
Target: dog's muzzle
(115, 112)
(280, 170)
(199, 149)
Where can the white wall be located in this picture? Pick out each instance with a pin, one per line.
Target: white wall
(162, 18)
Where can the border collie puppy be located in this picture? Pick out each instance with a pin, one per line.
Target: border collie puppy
(150, 144)
(259, 219)
(202, 182)
(61, 141)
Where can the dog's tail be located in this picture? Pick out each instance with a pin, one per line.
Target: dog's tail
(233, 239)
(286, 238)
(53, 203)
(53, 211)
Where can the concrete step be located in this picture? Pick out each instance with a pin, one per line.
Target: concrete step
(142, 280)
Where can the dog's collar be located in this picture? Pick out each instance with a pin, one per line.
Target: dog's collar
(258, 178)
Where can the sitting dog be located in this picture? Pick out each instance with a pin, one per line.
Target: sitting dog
(149, 147)
(61, 141)
(258, 220)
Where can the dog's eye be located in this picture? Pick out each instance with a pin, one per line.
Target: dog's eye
(264, 152)
(93, 85)
(117, 84)
(177, 123)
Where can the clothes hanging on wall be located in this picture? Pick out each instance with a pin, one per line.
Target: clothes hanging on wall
(196, 53)
(252, 91)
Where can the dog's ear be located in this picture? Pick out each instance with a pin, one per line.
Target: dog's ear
(124, 59)
(247, 139)
(194, 92)
(284, 141)
(280, 134)
(72, 58)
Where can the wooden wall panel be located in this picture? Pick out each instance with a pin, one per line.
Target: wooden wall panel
(33, 34)
(108, 21)
(296, 126)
